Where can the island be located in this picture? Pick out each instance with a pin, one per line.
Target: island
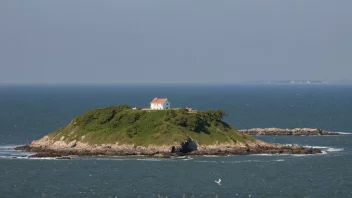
(294, 132)
(122, 131)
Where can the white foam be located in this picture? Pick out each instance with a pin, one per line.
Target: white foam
(178, 157)
(320, 147)
(344, 133)
(326, 149)
(211, 156)
(113, 159)
(264, 154)
(29, 158)
(205, 161)
(242, 161)
(40, 158)
(334, 149)
(300, 155)
(8, 147)
(5, 157)
(317, 147)
(152, 159)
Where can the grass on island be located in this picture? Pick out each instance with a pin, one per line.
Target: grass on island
(139, 127)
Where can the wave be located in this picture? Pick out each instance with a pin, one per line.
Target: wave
(326, 149)
(320, 147)
(178, 157)
(40, 158)
(344, 133)
(334, 149)
(301, 155)
(264, 154)
(28, 158)
(211, 156)
(317, 147)
(151, 159)
(237, 162)
(127, 158)
(108, 159)
(8, 147)
(206, 161)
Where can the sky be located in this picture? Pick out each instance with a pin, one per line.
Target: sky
(175, 40)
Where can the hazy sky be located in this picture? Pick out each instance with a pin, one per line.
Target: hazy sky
(175, 40)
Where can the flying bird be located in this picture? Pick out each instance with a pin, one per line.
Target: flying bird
(218, 182)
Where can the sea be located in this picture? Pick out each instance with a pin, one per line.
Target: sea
(29, 111)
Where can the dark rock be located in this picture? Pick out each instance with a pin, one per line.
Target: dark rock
(188, 146)
(64, 157)
(173, 149)
(23, 148)
(46, 154)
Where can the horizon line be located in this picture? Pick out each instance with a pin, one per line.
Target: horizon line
(259, 82)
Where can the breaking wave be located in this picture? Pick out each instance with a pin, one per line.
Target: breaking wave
(344, 133)
(239, 161)
(326, 149)
(9, 152)
(11, 147)
(334, 149)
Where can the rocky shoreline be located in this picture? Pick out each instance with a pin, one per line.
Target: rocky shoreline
(62, 150)
(294, 132)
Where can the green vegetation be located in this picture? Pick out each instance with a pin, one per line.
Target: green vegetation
(153, 127)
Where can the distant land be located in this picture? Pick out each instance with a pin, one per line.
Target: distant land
(288, 82)
(304, 82)
(346, 81)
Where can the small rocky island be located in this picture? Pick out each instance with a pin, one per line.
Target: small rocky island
(122, 130)
(294, 132)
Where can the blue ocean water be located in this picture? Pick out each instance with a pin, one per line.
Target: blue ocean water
(28, 112)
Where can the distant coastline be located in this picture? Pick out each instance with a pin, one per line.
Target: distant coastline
(288, 82)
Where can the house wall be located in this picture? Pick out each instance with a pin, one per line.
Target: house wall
(165, 105)
(156, 106)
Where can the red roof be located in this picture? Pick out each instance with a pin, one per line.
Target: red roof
(158, 100)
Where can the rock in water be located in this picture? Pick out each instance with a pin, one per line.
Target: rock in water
(278, 131)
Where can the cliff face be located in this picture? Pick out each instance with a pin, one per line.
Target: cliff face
(278, 131)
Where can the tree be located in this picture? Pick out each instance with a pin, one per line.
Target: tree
(181, 120)
(220, 114)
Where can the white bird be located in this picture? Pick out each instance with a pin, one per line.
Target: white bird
(218, 182)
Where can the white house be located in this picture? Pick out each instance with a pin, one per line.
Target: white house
(160, 104)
